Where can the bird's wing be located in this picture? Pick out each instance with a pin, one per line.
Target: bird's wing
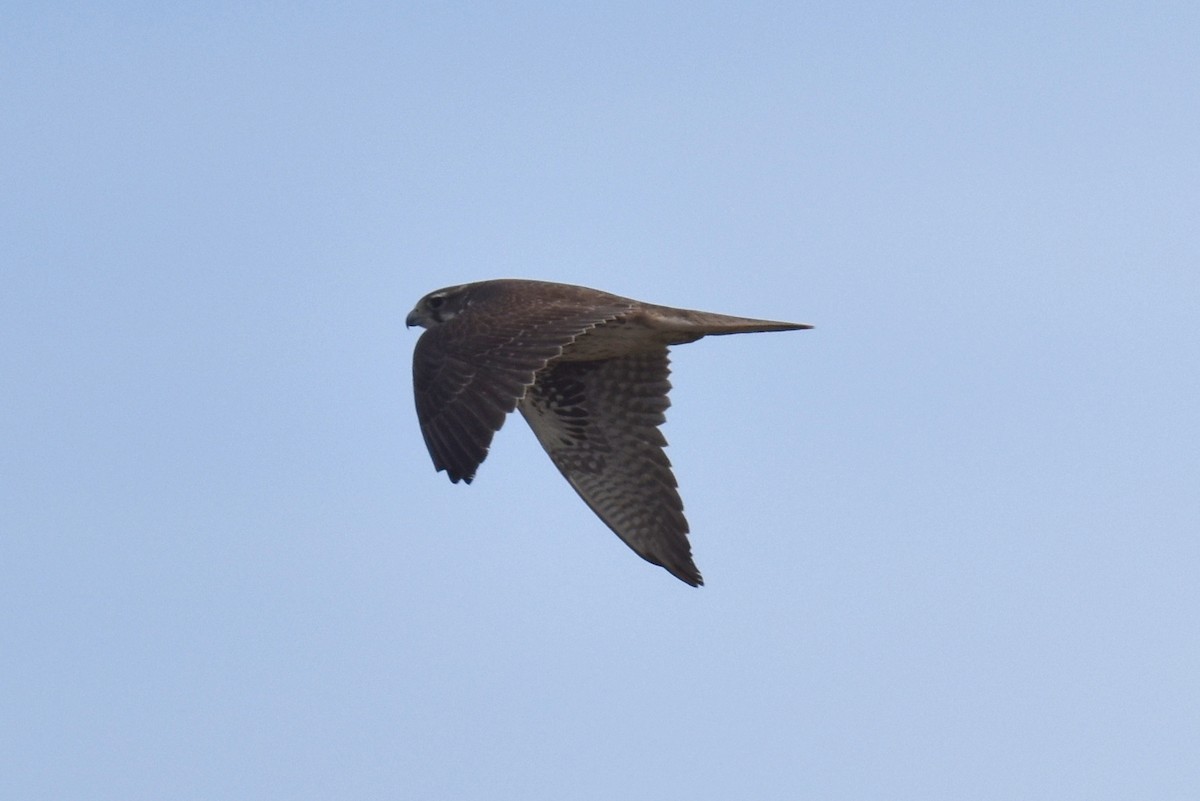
(469, 373)
(599, 422)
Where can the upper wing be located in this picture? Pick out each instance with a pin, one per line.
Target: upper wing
(599, 421)
(469, 372)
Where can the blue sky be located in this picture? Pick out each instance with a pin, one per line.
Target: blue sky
(949, 535)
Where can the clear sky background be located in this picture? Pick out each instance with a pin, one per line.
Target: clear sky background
(950, 536)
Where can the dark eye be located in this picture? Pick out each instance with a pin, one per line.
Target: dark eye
(437, 301)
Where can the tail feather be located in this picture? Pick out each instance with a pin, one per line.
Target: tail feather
(712, 324)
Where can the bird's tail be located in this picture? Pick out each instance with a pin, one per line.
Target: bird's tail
(711, 324)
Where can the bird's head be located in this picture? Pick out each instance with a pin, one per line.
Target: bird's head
(439, 307)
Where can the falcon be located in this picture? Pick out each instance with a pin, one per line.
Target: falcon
(588, 371)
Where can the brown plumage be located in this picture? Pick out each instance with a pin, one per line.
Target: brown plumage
(588, 370)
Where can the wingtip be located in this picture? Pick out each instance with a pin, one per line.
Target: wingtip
(690, 576)
(457, 477)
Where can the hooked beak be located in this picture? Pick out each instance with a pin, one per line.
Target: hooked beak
(412, 319)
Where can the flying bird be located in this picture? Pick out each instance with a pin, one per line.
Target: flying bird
(588, 371)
